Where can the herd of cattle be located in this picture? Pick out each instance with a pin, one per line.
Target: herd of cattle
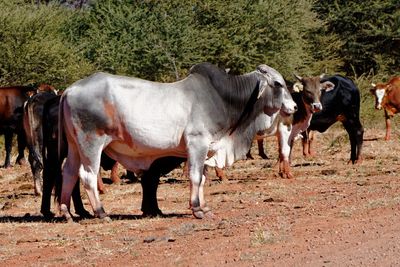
(210, 118)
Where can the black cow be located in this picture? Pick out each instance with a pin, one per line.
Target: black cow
(340, 104)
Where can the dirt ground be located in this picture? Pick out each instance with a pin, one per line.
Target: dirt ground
(331, 214)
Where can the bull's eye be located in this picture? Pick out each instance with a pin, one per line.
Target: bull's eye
(277, 84)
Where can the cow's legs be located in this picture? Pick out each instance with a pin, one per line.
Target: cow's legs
(260, 144)
(49, 177)
(8, 135)
(284, 132)
(100, 184)
(78, 204)
(355, 132)
(21, 142)
(307, 141)
(114, 174)
(150, 180)
(388, 126)
(36, 168)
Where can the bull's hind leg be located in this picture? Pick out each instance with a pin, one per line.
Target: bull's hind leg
(88, 174)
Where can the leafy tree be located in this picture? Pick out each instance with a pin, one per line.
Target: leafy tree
(32, 49)
(369, 30)
(161, 40)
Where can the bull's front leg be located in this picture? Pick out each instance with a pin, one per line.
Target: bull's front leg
(197, 150)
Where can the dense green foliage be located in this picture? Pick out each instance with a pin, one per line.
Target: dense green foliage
(161, 40)
(369, 30)
(32, 49)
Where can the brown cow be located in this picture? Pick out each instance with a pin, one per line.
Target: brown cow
(387, 96)
(12, 100)
(306, 93)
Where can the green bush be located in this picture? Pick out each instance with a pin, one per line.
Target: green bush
(32, 46)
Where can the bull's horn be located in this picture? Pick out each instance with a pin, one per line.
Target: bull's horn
(373, 85)
(297, 77)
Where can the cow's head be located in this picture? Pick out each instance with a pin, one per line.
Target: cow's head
(311, 89)
(273, 88)
(379, 92)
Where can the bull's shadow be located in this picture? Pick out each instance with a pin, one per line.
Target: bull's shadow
(27, 218)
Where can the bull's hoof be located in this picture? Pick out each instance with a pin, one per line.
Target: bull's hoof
(264, 156)
(200, 213)
(65, 213)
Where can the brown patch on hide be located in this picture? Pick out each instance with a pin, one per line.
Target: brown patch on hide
(115, 126)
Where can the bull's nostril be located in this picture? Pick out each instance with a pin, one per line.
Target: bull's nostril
(295, 108)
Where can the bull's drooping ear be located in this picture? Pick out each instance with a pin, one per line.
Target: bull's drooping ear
(327, 86)
(266, 72)
(261, 89)
(298, 87)
(299, 78)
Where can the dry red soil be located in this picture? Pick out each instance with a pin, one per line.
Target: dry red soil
(331, 214)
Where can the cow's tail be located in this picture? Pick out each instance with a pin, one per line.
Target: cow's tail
(33, 142)
(61, 146)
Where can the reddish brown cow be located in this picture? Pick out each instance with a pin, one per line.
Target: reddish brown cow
(11, 112)
(387, 97)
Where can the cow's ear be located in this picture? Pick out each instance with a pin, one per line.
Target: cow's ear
(327, 86)
(298, 87)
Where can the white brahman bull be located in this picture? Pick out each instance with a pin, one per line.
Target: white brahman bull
(137, 122)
